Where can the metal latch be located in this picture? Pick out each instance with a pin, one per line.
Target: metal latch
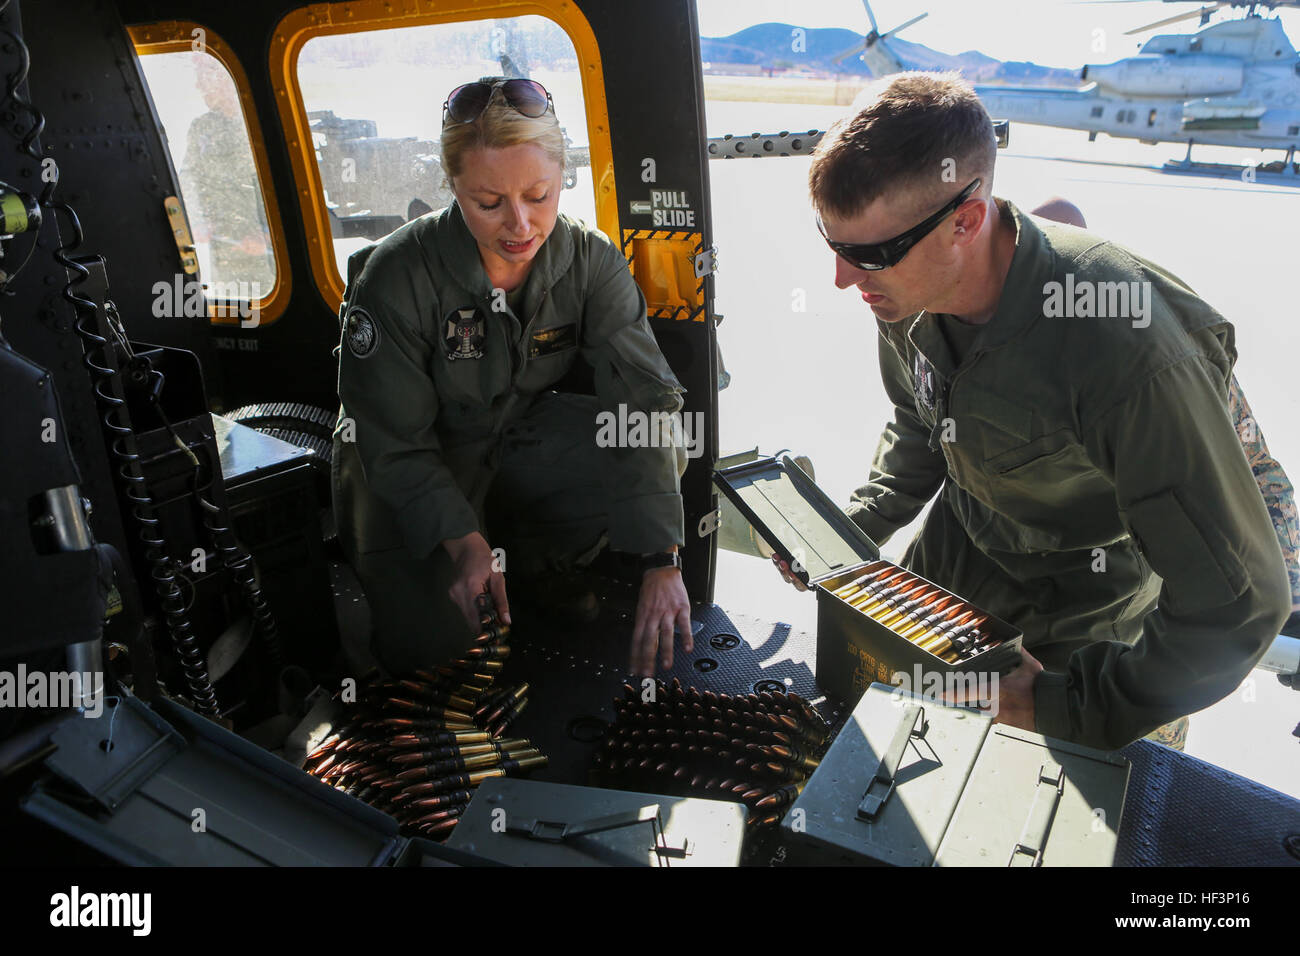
(710, 523)
(1028, 850)
(882, 782)
(181, 233)
(558, 831)
(706, 262)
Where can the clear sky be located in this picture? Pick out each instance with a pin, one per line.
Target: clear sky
(1048, 32)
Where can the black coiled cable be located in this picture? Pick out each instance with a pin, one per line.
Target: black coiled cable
(11, 95)
(235, 560)
(240, 565)
(27, 144)
(114, 415)
(114, 418)
(134, 485)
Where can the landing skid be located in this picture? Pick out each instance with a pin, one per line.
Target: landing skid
(1279, 173)
(1283, 171)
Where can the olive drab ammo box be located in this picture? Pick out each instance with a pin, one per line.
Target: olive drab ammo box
(912, 782)
(829, 552)
(531, 823)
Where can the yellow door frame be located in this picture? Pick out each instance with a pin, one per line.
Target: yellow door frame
(180, 36)
(304, 24)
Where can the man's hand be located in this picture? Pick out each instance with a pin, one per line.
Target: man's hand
(661, 605)
(785, 573)
(476, 571)
(1013, 703)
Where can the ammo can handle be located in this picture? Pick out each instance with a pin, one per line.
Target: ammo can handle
(557, 831)
(1028, 850)
(887, 768)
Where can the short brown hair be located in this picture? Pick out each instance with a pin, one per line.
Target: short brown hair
(907, 131)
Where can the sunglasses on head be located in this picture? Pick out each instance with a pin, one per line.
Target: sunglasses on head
(467, 102)
(872, 256)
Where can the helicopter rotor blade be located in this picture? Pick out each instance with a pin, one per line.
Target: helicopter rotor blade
(875, 28)
(904, 26)
(855, 49)
(1202, 12)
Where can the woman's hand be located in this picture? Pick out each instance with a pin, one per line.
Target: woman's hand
(476, 571)
(661, 606)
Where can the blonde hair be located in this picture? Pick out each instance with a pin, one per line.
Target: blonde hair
(499, 125)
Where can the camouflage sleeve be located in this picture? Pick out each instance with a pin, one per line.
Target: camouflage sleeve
(1279, 496)
(905, 472)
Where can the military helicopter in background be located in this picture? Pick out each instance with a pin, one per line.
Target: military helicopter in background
(1234, 83)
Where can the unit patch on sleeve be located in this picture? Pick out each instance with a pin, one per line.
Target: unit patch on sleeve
(465, 334)
(361, 332)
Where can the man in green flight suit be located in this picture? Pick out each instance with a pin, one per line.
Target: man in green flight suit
(1068, 401)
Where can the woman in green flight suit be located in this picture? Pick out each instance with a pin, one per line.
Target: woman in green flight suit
(455, 328)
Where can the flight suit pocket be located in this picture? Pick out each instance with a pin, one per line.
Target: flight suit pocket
(1030, 484)
(1030, 459)
(1195, 576)
(466, 382)
(1006, 417)
(473, 364)
(541, 373)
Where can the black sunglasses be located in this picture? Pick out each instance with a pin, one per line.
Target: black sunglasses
(872, 256)
(467, 102)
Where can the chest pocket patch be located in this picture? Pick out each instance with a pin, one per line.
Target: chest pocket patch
(924, 382)
(549, 341)
(463, 334)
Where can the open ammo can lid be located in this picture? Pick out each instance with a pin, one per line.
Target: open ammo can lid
(795, 517)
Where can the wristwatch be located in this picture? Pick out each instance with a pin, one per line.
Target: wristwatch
(660, 559)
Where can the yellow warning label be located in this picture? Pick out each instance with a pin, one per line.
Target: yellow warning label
(662, 262)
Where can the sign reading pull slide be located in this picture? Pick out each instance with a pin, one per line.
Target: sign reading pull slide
(882, 781)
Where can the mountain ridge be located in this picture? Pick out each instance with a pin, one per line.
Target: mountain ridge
(772, 46)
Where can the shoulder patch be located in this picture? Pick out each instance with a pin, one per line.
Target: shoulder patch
(361, 332)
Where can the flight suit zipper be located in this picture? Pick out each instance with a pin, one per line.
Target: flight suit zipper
(940, 398)
(493, 454)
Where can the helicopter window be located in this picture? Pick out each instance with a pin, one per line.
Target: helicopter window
(374, 103)
(1098, 110)
(1151, 117)
(207, 131)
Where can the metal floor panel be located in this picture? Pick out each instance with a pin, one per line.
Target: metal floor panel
(1179, 811)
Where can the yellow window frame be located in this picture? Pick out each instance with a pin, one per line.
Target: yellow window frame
(177, 36)
(321, 19)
